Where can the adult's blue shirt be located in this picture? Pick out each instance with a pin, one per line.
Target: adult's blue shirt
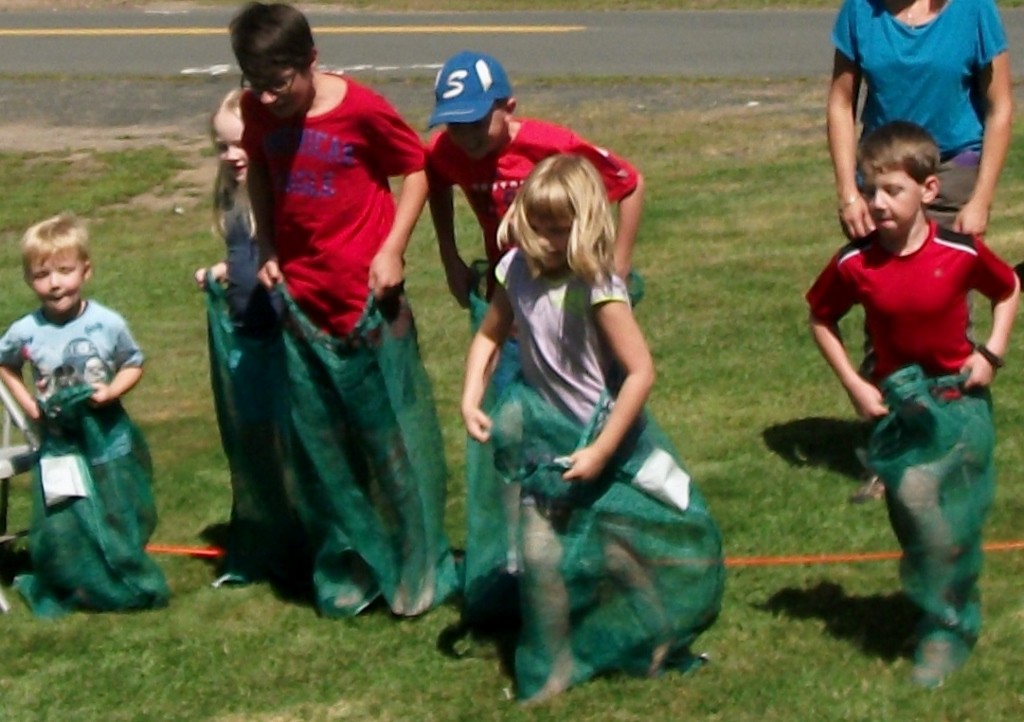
(927, 74)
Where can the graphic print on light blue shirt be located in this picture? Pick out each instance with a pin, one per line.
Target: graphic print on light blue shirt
(88, 349)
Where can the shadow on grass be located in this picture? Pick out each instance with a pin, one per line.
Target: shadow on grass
(880, 624)
(820, 442)
(465, 641)
(489, 629)
(14, 560)
(296, 588)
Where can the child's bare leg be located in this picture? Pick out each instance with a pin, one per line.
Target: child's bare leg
(932, 570)
(632, 575)
(918, 493)
(547, 597)
(662, 478)
(399, 502)
(415, 591)
(508, 425)
(510, 494)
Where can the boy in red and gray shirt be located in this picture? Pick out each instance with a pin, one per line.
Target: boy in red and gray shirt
(912, 278)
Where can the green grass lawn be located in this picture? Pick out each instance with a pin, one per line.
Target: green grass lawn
(739, 218)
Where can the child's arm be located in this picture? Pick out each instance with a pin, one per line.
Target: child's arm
(262, 201)
(626, 341)
(123, 382)
(387, 269)
(630, 209)
(979, 369)
(480, 362)
(866, 398)
(442, 213)
(16, 385)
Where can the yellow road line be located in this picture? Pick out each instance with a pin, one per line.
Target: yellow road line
(331, 30)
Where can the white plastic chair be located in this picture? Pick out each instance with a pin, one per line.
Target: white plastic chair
(15, 458)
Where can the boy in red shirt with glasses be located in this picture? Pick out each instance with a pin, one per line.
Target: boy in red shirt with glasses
(367, 453)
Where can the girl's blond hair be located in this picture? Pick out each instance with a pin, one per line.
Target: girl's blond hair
(564, 187)
(228, 193)
(55, 236)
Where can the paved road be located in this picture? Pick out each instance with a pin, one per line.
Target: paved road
(693, 44)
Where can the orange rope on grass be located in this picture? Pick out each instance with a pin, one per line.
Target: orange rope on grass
(206, 552)
(798, 559)
(777, 561)
(763, 561)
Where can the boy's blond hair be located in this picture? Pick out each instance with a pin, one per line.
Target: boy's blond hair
(564, 187)
(53, 237)
(899, 145)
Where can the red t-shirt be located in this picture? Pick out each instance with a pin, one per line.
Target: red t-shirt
(491, 183)
(332, 205)
(915, 306)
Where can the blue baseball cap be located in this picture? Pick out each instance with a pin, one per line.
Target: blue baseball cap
(466, 88)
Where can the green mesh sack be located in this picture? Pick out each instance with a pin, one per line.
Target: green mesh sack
(250, 394)
(369, 465)
(622, 573)
(88, 552)
(934, 453)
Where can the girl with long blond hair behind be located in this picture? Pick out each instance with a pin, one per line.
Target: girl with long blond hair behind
(247, 375)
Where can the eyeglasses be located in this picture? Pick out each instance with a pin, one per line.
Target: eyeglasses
(275, 87)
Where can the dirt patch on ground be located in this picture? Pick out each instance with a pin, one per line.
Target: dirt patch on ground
(70, 115)
(53, 113)
(30, 138)
(102, 113)
(74, 117)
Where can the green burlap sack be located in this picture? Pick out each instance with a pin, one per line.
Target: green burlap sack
(614, 577)
(89, 552)
(934, 452)
(250, 394)
(369, 465)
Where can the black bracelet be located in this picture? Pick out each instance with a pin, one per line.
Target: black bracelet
(993, 358)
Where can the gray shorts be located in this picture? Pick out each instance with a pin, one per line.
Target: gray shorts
(957, 176)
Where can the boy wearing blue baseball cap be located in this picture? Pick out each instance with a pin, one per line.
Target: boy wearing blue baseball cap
(488, 152)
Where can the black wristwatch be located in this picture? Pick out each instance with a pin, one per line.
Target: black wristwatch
(995, 359)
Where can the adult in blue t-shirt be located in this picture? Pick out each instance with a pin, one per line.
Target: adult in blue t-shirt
(942, 64)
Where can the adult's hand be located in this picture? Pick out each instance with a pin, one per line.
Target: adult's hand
(855, 217)
(972, 218)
